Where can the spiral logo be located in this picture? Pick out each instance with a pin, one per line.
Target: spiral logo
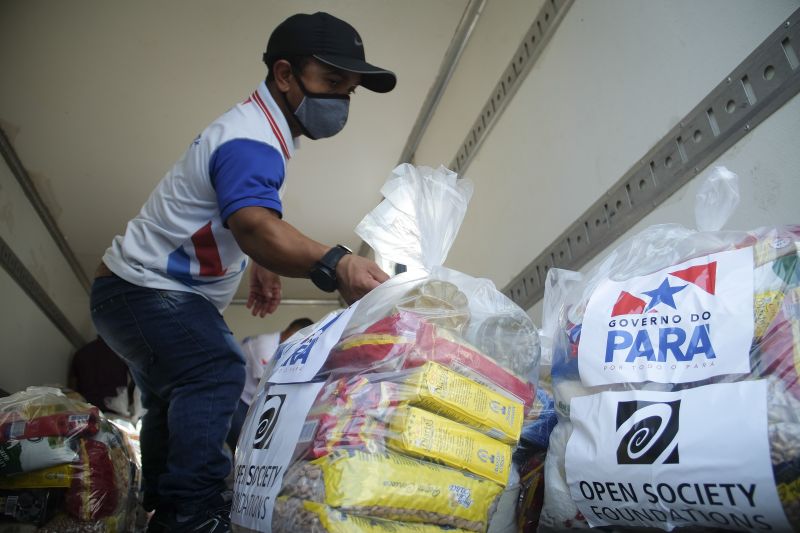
(268, 421)
(647, 432)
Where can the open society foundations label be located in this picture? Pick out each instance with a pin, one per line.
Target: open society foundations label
(685, 323)
(698, 457)
(266, 445)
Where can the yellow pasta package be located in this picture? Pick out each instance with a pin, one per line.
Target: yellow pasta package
(448, 393)
(394, 487)
(428, 436)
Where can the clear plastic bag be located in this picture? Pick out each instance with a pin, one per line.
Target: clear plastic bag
(415, 409)
(675, 372)
(407, 340)
(418, 220)
(63, 466)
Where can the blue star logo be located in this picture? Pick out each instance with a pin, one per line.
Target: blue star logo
(663, 295)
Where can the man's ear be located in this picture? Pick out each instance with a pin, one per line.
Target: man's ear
(282, 71)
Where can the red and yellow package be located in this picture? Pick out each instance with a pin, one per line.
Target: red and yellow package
(405, 340)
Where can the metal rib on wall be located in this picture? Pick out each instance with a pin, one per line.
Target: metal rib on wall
(22, 276)
(10, 155)
(526, 54)
(533, 44)
(755, 89)
(451, 56)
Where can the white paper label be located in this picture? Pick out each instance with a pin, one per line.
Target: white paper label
(299, 360)
(686, 323)
(698, 457)
(265, 450)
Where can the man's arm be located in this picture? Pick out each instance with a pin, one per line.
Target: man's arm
(273, 243)
(281, 248)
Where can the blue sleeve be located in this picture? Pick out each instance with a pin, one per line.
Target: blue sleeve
(246, 173)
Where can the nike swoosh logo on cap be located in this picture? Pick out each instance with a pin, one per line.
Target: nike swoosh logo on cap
(357, 42)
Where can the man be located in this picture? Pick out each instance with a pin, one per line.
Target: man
(158, 294)
(258, 353)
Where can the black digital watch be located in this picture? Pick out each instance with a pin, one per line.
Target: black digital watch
(323, 275)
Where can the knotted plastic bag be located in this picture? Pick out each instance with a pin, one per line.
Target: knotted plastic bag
(415, 409)
(676, 379)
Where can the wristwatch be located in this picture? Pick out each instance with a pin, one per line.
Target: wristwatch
(323, 275)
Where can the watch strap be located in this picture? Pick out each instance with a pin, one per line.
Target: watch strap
(323, 275)
(333, 256)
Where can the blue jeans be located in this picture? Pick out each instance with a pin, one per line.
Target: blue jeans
(191, 374)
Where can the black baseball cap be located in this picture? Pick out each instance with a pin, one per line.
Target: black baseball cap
(330, 40)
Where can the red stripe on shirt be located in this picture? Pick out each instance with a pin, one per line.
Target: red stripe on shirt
(272, 123)
(205, 248)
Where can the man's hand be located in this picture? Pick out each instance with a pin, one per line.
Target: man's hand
(265, 291)
(357, 276)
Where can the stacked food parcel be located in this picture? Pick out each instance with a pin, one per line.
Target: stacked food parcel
(64, 467)
(402, 412)
(675, 374)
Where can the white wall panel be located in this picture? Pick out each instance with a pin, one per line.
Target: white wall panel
(34, 352)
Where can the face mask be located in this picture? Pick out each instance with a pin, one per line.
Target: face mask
(321, 115)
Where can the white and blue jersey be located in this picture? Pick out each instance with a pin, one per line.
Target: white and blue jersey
(180, 239)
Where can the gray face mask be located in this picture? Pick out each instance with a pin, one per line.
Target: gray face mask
(321, 115)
